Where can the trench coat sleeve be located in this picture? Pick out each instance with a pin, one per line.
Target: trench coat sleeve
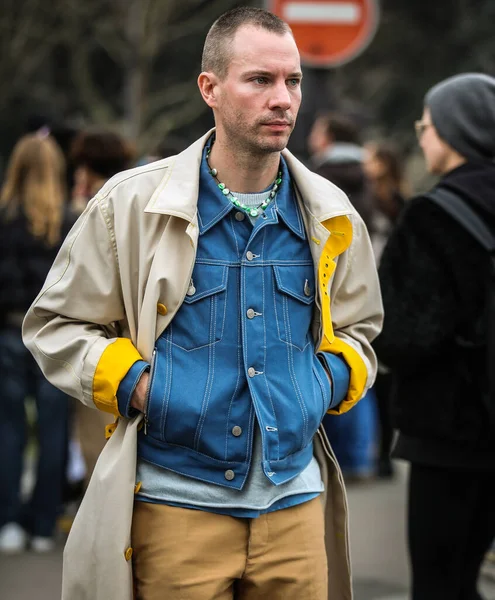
(70, 328)
(356, 311)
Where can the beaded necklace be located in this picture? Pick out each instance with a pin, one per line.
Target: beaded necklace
(249, 210)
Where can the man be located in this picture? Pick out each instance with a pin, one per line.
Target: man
(434, 275)
(203, 319)
(337, 155)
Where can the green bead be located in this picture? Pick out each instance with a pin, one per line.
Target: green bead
(236, 202)
(278, 181)
(253, 212)
(225, 191)
(214, 172)
(221, 186)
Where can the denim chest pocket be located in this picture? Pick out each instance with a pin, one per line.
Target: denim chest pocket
(294, 298)
(201, 318)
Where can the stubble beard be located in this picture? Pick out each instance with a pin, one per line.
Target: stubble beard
(248, 139)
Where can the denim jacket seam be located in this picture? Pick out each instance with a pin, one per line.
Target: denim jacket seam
(210, 377)
(264, 351)
(168, 385)
(295, 384)
(227, 426)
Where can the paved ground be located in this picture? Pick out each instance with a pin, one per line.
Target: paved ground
(378, 552)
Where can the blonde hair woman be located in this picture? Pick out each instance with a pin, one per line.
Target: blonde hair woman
(33, 224)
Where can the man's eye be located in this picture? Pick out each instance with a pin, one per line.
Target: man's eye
(294, 82)
(260, 80)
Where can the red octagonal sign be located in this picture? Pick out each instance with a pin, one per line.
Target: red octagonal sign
(329, 32)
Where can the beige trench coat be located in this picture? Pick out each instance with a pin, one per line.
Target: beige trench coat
(118, 281)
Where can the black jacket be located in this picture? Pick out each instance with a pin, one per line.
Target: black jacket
(433, 276)
(24, 263)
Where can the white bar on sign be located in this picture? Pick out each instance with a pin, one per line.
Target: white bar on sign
(342, 13)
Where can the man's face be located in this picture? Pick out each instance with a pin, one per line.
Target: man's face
(258, 101)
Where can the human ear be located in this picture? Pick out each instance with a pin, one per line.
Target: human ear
(207, 83)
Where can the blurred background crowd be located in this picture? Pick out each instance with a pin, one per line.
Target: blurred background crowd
(96, 87)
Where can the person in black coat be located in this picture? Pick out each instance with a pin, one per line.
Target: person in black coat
(433, 275)
(33, 224)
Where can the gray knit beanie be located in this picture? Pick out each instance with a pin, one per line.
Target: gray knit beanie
(463, 113)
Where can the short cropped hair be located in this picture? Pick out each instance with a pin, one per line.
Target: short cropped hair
(340, 128)
(104, 152)
(217, 49)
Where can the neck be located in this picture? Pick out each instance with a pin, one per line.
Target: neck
(454, 160)
(242, 171)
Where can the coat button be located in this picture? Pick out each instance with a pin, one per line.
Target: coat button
(239, 216)
(229, 475)
(237, 431)
(128, 554)
(249, 255)
(250, 313)
(109, 430)
(161, 309)
(251, 371)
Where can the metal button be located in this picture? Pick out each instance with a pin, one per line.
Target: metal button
(250, 313)
(307, 289)
(251, 371)
(240, 216)
(249, 255)
(237, 431)
(229, 475)
(191, 290)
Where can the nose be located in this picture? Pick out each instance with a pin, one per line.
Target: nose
(280, 97)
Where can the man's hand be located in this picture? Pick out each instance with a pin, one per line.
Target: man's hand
(139, 396)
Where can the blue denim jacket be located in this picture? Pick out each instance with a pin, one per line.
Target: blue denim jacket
(239, 351)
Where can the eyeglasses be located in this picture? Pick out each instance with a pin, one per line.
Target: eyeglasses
(420, 127)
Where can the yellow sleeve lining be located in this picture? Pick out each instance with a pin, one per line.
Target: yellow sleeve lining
(114, 363)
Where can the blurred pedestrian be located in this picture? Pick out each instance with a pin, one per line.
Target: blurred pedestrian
(433, 275)
(96, 155)
(33, 224)
(337, 154)
(197, 318)
(384, 167)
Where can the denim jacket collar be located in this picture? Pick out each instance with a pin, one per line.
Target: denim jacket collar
(218, 206)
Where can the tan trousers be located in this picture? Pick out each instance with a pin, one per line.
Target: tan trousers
(184, 554)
